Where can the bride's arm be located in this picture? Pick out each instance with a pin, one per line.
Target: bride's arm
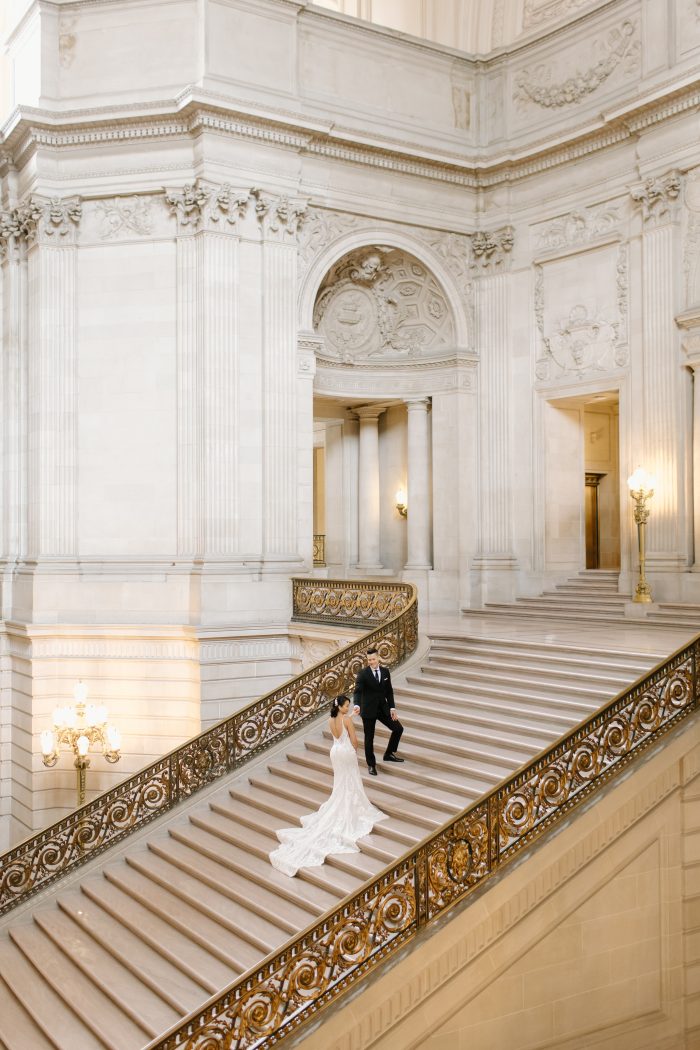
(351, 731)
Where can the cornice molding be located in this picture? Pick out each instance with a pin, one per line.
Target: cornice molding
(30, 130)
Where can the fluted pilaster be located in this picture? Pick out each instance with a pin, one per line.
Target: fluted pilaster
(661, 449)
(493, 319)
(51, 386)
(279, 400)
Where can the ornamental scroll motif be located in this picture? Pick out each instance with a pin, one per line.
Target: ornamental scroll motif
(620, 47)
(388, 611)
(268, 1003)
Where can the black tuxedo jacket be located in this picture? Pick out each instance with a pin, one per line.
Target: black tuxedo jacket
(373, 697)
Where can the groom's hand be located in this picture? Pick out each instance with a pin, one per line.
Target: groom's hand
(393, 714)
(356, 710)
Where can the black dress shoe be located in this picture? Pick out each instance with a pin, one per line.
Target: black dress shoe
(372, 771)
(392, 758)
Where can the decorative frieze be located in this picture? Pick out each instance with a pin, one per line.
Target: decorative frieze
(657, 197)
(620, 47)
(491, 250)
(540, 12)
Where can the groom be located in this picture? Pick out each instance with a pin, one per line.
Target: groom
(374, 701)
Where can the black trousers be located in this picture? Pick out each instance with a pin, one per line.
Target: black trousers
(369, 726)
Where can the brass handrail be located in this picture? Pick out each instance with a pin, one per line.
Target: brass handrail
(292, 984)
(388, 609)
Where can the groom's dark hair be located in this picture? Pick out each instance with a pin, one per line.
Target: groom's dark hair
(372, 649)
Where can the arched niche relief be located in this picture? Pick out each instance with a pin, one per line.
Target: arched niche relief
(381, 305)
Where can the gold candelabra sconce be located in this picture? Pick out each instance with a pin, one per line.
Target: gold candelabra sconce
(78, 727)
(641, 485)
(402, 502)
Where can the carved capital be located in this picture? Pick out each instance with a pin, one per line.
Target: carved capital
(228, 205)
(40, 219)
(188, 204)
(491, 249)
(279, 217)
(657, 197)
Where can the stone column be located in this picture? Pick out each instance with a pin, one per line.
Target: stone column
(418, 522)
(369, 544)
(689, 322)
(491, 259)
(351, 474)
(48, 229)
(661, 448)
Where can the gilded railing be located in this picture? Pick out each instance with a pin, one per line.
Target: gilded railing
(387, 610)
(293, 984)
(319, 548)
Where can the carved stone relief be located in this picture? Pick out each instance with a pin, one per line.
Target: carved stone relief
(124, 216)
(378, 304)
(584, 340)
(321, 227)
(578, 228)
(620, 48)
(540, 12)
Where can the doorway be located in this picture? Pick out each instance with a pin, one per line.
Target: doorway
(582, 482)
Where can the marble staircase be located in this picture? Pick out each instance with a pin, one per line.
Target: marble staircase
(593, 596)
(117, 953)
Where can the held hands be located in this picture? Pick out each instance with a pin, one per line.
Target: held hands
(356, 710)
(393, 714)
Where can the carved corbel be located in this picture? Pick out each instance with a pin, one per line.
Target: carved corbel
(657, 197)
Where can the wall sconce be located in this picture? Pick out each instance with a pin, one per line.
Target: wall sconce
(402, 502)
(641, 485)
(77, 728)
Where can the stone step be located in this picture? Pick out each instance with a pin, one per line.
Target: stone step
(571, 683)
(520, 698)
(554, 670)
(145, 937)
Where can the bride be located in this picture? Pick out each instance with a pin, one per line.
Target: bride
(344, 818)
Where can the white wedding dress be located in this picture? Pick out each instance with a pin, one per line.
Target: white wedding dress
(344, 818)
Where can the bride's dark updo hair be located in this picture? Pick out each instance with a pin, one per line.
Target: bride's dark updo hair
(338, 703)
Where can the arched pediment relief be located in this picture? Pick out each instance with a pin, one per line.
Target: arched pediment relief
(379, 304)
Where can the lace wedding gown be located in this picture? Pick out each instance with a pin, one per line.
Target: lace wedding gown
(344, 818)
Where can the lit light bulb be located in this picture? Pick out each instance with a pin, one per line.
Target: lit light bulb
(82, 743)
(641, 481)
(401, 497)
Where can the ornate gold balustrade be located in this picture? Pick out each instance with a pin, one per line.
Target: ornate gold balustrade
(293, 984)
(389, 612)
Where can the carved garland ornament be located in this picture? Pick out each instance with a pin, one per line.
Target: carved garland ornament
(619, 46)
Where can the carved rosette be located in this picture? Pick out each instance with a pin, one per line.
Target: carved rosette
(658, 197)
(491, 250)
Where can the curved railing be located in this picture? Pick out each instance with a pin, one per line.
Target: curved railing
(388, 610)
(293, 984)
